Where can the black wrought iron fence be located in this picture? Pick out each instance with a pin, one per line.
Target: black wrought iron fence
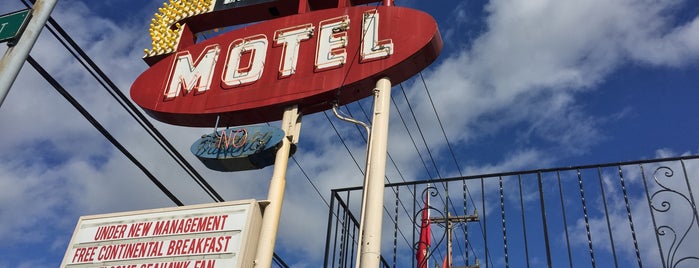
(631, 214)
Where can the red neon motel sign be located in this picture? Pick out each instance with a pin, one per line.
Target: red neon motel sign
(312, 60)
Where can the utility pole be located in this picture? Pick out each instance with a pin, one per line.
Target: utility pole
(16, 55)
(449, 221)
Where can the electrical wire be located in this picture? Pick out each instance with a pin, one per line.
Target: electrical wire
(451, 150)
(362, 172)
(354, 159)
(117, 94)
(389, 155)
(453, 156)
(101, 128)
(279, 261)
(310, 181)
(178, 157)
(365, 139)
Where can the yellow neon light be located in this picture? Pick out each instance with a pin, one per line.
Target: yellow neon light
(165, 30)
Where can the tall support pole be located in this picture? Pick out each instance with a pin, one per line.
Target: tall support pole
(291, 124)
(16, 55)
(370, 240)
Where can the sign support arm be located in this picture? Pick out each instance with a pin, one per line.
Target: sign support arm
(291, 123)
(15, 56)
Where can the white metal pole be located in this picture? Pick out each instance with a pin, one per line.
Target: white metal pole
(16, 55)
(370, 243)
(275, 196)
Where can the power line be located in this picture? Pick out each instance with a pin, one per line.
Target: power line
(362, 171)
(310, 181)
(451, 150)
(123, 101)
(389, 157)
(166, 145)
(114, 91)
(100, 128)
(342, 140)
(276, 258)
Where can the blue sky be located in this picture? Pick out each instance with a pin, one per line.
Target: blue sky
(519, 85)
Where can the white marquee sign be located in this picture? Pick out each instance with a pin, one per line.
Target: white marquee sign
(211, 235)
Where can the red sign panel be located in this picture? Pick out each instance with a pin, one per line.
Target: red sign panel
(312, 60)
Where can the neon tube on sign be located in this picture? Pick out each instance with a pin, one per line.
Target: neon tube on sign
(246, 57)
(237, 149)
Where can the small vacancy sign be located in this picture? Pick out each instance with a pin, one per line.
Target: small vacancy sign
(211, 236)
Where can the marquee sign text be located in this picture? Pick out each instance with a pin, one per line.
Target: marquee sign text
(212, 235)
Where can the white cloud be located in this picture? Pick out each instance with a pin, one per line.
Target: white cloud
(540, 54)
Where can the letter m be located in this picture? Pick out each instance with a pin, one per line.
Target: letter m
(186, 75)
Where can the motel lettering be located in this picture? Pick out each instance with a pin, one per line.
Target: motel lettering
(244, 59)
